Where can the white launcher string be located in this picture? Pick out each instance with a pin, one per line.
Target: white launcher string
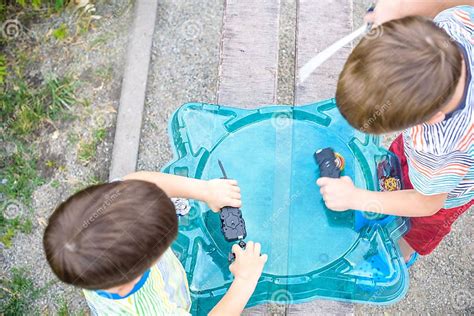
(320, 58)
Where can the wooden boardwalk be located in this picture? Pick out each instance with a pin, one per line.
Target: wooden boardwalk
(249, 71)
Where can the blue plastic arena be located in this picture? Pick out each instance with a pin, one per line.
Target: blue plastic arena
(313, 252)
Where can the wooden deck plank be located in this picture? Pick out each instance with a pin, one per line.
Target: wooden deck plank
(320, 307)
(249, 53)
(248, 68)
(248, 77)
(319, 24)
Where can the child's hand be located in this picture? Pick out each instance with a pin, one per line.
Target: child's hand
(222, 192)
(385, 10)
(248, 264)
(338, 194)
(247, 268)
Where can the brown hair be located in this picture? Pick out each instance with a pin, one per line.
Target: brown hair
(398, 76)
(108, 235)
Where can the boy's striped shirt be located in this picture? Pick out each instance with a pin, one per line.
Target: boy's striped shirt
(165, 292)
(441, 156)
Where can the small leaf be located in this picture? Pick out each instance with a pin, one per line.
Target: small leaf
(36, 4)
(61, 32)
(59, 4)
(21, 2)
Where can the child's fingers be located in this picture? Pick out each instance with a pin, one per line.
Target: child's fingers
(346, 179)
(369, 17)
(233, 202)
(235, 196)
(215, 209)
(250, 247)
(235, 189)
(264, 258)
(257, 249)
(237, 250)
(232, 182)
(323, 181)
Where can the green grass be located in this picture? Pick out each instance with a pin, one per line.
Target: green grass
(9, 228)
(61, 33)
(87, 182)
(63, 309)
(105, 72)
(55, 184)
(38, 4)
(21, 178)
(72, 138)
(20, 173)
(3, 69)
(88, 148)
(101, 39)
(17, 295)
(27, 11)
(31, 7)
(23, 108)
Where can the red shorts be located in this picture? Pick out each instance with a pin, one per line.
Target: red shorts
(426, 232)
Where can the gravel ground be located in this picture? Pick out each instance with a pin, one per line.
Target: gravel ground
(184, 68)
(95, 60)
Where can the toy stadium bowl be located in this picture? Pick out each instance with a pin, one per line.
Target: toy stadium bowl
(313, 253)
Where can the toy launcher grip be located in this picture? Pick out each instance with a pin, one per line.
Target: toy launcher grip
(326, 160)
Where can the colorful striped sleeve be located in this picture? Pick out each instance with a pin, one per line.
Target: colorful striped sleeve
(458, 23)
(433, 174)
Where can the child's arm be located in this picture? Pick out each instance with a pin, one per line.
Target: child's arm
(341, 194)
(247, 268)
(387, 10)
(217, 193)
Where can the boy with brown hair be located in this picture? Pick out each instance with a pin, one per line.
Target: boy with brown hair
(113, 241)
(414, 74)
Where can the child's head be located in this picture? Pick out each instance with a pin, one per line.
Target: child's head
(109, 234)
(400, 78)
